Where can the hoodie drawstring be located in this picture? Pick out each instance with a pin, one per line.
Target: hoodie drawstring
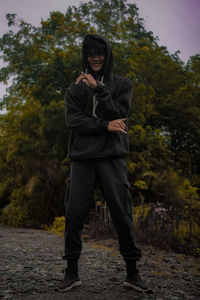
(95, 102)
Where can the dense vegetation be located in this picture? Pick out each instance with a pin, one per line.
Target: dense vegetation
(164, 126)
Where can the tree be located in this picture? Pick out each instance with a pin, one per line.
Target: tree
(164, 131)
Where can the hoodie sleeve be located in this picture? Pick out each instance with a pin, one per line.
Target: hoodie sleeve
(116, 108)
(75, 118)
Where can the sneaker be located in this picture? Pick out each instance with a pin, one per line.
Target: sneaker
(70, 281)
(134, 281)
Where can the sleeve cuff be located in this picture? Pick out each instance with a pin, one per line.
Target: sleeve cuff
(100, 88)
(105, 125)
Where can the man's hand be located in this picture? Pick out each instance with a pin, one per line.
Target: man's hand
(79, 79)
(117, 125)
(88, 79)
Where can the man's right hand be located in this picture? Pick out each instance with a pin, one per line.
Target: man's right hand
(79, 79)
(117, 125)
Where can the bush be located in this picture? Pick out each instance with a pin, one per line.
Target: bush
(58, 226)
(161, 227)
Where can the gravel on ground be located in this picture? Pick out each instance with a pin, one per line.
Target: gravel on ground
(31, 265)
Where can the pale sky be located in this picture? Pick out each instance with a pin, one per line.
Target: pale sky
(175, 22)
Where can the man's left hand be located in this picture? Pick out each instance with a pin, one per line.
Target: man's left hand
(89, 80)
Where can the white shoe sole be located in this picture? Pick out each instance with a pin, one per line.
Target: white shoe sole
(136, 287)
(68, 288)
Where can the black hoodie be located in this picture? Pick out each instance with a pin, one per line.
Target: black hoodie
(89, 137)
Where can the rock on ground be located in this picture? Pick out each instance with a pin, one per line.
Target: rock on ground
(31, 265)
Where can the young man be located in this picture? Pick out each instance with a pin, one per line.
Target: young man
(97, 107)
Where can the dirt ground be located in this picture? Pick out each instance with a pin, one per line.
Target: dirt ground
(31, 265)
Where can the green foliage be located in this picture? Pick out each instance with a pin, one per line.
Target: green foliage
(58, 226)
(13, 214)
(174, 190)
(32, 162)
(164, 122)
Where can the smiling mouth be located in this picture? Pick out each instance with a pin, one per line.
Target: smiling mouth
(96, 63)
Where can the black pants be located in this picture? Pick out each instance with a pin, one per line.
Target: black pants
(111, 175)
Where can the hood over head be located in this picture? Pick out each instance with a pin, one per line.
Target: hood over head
(96, 44)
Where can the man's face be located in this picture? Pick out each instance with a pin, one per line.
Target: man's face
(96, 62)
